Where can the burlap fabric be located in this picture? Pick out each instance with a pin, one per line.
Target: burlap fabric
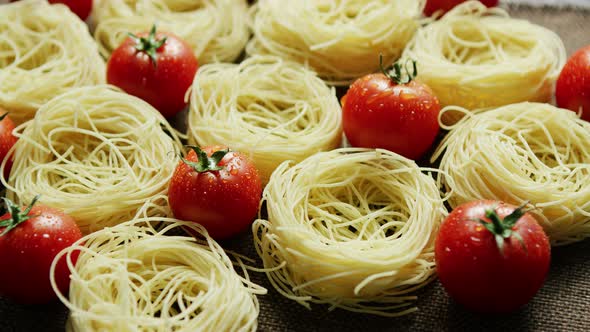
(563, 304)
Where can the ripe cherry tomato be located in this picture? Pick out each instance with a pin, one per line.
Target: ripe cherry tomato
(384, 111)
(446, 5)
(82, 8)
(156, 67)
(7, 140)
(491, 256)
(217, 188)
(29, 241)
(573, 85)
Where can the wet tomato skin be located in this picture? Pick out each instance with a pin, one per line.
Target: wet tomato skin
(164, 84)
(445, 5)
(572, 90)
(27, 251)
(378, 113)
(225, 201)
(7, 140)
(476, 274)
(82, 8)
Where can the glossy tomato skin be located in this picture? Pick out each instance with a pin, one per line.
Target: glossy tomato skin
(573, 85)
(377, 113)
(446, 5)
(164, 85)
(7, 141)
(82, 8)
(27, 251)
(474, 272)
(225, 202)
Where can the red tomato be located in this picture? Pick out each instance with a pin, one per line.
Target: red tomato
(218, 189)
(446, 5)
(82, 8)
(380, 113)
(486, 272)
(7, 140)
(573, 85)
(29, 242)
(156, 67)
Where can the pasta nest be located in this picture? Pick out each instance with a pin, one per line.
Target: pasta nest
(354, 228)
(339, 39)
(45, 50)
(96, 153)
(479, 57)
(526, 152)
(216, 30)
(272, 109)
(134, 277)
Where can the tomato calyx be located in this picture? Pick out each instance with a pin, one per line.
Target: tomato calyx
(502, 228)
(149, 45)
(204, 162)
(17, 216)
(395, 73)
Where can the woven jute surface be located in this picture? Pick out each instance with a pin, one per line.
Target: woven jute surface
(563, 304)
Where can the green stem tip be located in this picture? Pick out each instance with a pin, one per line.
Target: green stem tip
(17, 216)
(204, 162)
(149, 44)
(502, 228)
(395, 73)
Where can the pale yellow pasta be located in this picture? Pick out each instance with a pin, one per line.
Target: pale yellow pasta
(45, 50)
(339, 39)
(478, 57)
(353, 228)
(217, 30)
(272, 109)
(135, 277)
(526, 152)
(96, 153)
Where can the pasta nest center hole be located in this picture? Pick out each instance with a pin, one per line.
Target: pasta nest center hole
(360, 210)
